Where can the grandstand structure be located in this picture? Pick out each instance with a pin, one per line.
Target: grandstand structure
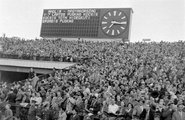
(18, 66)
(41, 67)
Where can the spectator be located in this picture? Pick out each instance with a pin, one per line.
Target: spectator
(62, 115)
(32, 111)
(38, 99)
(129, 111)
(31, 73)
(79, 108)
(11, 98)
(168, 111)
(8, 113)
(19, 98)
(35, 80)
(180, 114)
(46, 112)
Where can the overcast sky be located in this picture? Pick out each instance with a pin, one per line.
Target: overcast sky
(154, 19)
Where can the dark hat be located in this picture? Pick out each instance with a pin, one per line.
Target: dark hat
(154, 94)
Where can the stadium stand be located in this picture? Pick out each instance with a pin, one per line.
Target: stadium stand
(131, 81)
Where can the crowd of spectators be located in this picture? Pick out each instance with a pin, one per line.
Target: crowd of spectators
(44, 49)
(122, 81)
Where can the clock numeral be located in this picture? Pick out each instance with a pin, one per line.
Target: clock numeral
(119, 13)
(123, 17)
(105, 17)
(105, 27)
(107, 31)
(122, 28)
(104, 22)
(109, 14)
(118, 31)
(112, 32)
(114, 13)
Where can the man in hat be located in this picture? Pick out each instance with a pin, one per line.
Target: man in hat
(32, 111)
(179, 114)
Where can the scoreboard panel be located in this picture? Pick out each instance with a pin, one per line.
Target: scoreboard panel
(86, 23)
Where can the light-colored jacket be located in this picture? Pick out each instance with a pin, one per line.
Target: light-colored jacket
(62, 116)
(8, 114)
(177, 116)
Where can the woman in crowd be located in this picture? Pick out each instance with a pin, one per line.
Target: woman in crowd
(129, 111)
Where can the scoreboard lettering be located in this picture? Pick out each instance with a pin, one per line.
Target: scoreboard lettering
(86, 23)
(67, 16)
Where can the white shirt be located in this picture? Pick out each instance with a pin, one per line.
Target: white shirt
(39, 100)
(180, 112)
(113, 108)
(87, 90)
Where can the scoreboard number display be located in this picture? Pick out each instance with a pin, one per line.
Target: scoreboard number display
(86, 23)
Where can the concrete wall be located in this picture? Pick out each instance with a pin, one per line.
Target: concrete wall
(10, 77)
(13, 76)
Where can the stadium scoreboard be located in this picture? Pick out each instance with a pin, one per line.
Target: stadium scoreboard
(86, 23)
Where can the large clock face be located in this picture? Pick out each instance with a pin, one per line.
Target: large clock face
(114, 23)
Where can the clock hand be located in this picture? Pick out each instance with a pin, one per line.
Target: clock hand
(121, 23)
(111, 25)
(115, 22)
